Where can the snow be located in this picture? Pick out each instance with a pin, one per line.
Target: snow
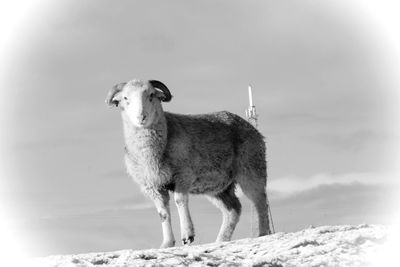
(343, 245)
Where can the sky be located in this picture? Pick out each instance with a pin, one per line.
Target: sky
(322, 89)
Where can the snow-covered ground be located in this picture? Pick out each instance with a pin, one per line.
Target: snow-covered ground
(321, 246)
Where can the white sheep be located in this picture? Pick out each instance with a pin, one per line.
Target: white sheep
(199, 154)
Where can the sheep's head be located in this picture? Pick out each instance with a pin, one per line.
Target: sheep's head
(141, 101)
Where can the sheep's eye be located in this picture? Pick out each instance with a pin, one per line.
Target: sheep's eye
(125, 98)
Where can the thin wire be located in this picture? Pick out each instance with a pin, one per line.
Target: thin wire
(252, 221)
(270, 216)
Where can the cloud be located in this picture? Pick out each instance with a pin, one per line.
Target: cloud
(89, 213)
(349, 198)
(293, 184)
(336, 203)
(124, 205)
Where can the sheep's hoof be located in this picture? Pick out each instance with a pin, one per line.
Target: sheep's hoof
(188, 241)
(168, 244)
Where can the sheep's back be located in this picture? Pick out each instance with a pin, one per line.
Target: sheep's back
(211, 129)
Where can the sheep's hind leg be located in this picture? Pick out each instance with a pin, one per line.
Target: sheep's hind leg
(256, 192)
(161, 201)
(187, 229)
(231, 208)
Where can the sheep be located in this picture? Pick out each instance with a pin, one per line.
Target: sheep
(198, 154)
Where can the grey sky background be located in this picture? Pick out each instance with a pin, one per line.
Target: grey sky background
(325, 109)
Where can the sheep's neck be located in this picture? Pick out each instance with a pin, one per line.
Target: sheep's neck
(145, 145)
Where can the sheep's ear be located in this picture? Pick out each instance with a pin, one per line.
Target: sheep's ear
(163, 92)
(114, 96)
(160, 95)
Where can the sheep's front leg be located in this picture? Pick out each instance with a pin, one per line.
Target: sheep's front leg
(187, 229)
(161, 201)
